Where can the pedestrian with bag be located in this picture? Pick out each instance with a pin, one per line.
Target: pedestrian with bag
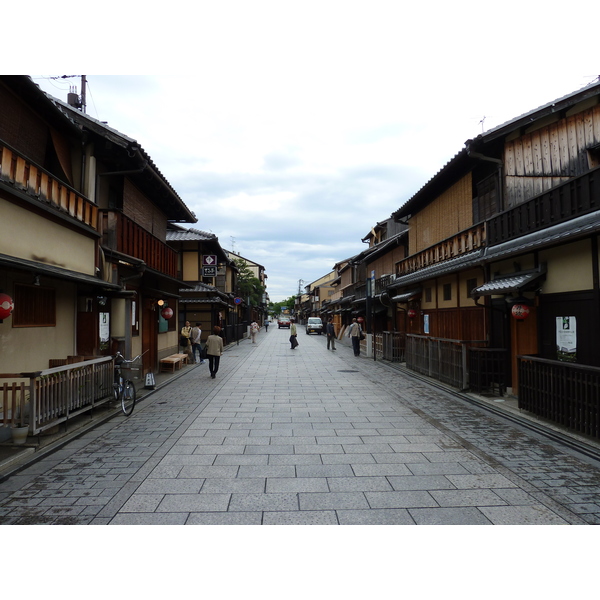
(293, 335)
(214, 350)
(196, 339)
(355, 333)
(330, 330)
(185, 340)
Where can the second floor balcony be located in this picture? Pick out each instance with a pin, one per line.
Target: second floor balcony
(462, 243)
(124, 235)
(574, 198)
(42, 187)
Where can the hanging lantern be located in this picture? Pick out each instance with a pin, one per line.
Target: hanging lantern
(166, 312)
(520, 311)
(7, 305)
(412, 313)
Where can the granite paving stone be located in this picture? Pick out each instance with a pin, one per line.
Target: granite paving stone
(193, 502)
(448, 516)
(400, 499)
(304, 517)
(308, 437)
(390, 516)
(264, 502)
(420, 482)
(332, 500)
(300, 484)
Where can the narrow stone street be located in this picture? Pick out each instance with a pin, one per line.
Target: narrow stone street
(305, 436)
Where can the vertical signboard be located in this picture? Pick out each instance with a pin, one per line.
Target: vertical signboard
(566, 339)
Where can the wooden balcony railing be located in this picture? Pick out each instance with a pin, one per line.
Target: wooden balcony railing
(45, 188)
(124, 235)
(574, 198)
(461, 243)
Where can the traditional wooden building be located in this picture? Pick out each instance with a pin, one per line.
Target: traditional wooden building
(51, 264)
(503, 248)
(211, 276)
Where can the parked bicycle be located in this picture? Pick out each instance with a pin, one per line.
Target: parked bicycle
(124, 388)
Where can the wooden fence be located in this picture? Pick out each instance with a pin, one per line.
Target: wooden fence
(47, 398)
(566, 393)
(442, 359)
(390, 345)
(489, 370)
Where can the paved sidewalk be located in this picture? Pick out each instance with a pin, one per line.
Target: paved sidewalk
(281, 436)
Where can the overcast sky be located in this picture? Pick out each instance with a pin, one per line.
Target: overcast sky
(290, 130)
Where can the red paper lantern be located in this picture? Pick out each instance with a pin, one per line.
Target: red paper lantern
(6, 306)
(166, 313)
(520, 311)
(412, 313)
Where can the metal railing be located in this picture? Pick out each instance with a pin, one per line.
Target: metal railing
(566, 393)
(50, 397)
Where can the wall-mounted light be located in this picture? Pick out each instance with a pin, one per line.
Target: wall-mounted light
(161, 303)
(36, 280)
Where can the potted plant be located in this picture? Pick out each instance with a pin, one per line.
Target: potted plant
(20, 427)
(19, 434)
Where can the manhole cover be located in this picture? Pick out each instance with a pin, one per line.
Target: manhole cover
(348, 371)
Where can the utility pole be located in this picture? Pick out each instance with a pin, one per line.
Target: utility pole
(83, 86)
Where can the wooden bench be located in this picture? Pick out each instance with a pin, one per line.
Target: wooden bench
(172, 362)
(184, 357)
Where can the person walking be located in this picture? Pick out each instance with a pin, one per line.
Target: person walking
(185, 340)
(214, 350)
(293, 334)
(330, 330)
(355, 333)
(253, 331)
(196, 339)
(267, 325)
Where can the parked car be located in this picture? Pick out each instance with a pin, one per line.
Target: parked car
(283, 322)
(314, 325)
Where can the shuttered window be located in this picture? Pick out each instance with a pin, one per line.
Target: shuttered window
(35, 306)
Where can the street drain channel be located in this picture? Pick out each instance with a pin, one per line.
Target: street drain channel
(348, 371)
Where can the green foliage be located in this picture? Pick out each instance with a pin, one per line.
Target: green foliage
(276, 308)
(249, 286)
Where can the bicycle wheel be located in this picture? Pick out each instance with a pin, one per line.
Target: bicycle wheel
(118, 389)
(128, 397)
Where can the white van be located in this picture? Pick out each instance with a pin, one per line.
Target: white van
(315, 325)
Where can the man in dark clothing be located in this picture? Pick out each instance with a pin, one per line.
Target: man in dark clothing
(330, 334)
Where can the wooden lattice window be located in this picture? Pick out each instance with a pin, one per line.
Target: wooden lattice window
(447, 291)
(471, 285)
(485, 204)
(35, 306)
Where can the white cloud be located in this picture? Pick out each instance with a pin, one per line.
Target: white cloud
(293, 128)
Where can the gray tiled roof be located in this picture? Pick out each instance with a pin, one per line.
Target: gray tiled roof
(187, 235)
(505, 285)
